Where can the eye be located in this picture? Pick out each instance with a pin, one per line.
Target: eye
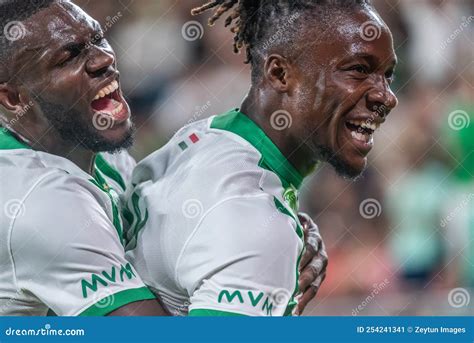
(71, 54)
(390, 76)
(360, 68)
(100, 41)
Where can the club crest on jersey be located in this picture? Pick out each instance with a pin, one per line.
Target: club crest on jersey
(291, 197)
(192, 139)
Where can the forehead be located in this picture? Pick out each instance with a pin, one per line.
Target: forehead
(360, 32)
(57, 22)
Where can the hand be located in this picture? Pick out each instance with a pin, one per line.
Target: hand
(313, 264)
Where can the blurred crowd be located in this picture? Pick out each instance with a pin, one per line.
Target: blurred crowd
(400, 238)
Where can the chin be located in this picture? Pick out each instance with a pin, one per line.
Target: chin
(111, 140)
(351, 169)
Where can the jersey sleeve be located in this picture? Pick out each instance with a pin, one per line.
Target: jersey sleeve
(67, 253)
(241, 260)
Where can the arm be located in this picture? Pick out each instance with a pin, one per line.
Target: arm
(68, 254)
(140, 308)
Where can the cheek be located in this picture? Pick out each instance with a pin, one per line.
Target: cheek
(64, 90)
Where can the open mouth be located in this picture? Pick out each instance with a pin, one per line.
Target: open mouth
(362, 132)
(109, 102)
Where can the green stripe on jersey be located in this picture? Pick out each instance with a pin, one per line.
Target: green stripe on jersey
(100, 182)
(272, 158)
(115, 301)
(109, 171)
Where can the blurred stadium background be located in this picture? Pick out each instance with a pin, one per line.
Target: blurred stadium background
(400, 239)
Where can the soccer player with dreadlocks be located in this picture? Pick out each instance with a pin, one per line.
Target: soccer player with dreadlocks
(216, 229)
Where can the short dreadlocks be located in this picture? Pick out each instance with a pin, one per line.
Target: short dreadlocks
(259, 25)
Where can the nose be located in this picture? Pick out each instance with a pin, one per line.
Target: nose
(99, 61)
(381, 99)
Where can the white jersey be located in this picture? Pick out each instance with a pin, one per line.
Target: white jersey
(215, 228)
(61, 235)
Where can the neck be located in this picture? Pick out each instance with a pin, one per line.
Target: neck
(296, 152)
(50, 142)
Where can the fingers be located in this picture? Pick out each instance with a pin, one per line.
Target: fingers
(312, 271)
(309, 294)
(308, 255)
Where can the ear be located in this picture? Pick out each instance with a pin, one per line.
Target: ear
(277, 71)
(10, 98)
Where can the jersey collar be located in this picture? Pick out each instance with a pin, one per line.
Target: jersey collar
(9, 142)
(272, 158)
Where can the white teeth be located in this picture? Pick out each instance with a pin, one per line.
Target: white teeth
(118, 109)
(359, 136)
(365, 124)
(112, 87)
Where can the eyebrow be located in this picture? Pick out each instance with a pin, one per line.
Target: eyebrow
(97, 27)
(393, 61)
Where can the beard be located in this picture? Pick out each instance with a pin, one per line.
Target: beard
(342, 168)
(72, 128)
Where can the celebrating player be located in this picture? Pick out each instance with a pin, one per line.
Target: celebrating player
(60, 228)
(60, 231)
(206, 203)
